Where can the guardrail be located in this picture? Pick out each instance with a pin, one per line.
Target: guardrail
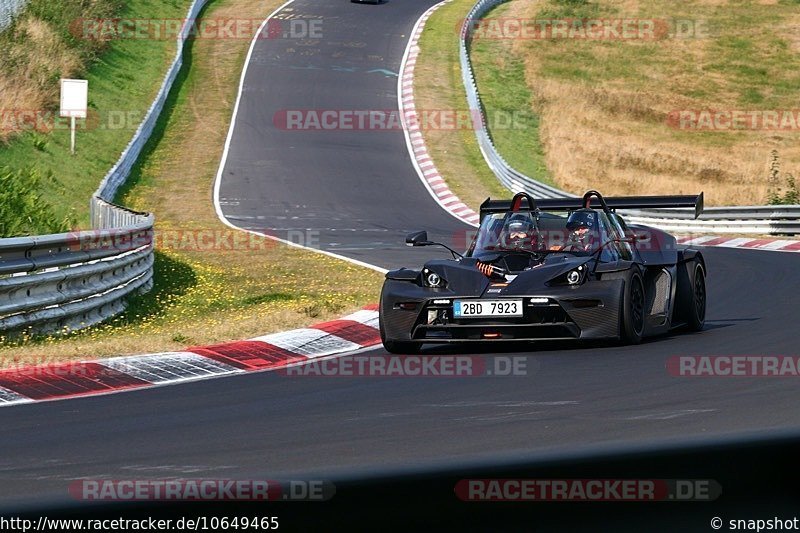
(53, 283)
(8, 10)
(772, 220)
(64, 282)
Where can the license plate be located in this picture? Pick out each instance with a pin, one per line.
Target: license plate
(484, 308)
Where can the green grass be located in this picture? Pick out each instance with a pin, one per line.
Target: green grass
(143, 171)
(513, 125)
(21, 203)
(123, 81)
(438, 85)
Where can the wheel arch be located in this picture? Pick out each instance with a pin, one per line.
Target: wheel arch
(689, 254)
(684, 282)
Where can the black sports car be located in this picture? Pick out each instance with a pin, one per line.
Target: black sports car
(564, 268)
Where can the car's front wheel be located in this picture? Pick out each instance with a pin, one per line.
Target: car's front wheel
(396, 347)
(401, 348)
(632, 327)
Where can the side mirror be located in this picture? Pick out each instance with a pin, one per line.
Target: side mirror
(418, 238)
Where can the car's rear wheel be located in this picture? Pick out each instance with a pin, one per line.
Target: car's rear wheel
(632, 327)
(697, 311)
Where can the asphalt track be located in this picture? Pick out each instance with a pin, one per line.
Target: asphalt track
(269, 425)
(352, 192)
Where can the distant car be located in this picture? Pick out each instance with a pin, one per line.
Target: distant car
(366, 1)
(563, 268)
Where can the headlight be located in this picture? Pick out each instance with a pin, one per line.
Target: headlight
(577, 276)
(432, 279)
(574, 277)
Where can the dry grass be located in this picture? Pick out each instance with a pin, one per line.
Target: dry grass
(199, 297)
(36, 56)
(604, 105)
(602, 137)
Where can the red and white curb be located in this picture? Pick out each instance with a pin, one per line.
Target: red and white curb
(420, 157)
(270, 352)
(747, 243)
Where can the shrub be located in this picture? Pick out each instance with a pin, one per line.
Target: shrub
(22, 209)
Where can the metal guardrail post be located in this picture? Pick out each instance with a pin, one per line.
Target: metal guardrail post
(8, 10)
(67, 281)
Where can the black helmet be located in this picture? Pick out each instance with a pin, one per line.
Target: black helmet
(520, 232)
(582, 218)
(519, 223)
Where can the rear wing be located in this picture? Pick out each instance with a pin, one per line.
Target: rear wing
(593, 199)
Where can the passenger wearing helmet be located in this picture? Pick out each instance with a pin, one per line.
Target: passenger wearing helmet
(520, 233)
(582, 225)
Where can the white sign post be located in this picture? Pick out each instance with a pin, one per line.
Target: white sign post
(74, 103)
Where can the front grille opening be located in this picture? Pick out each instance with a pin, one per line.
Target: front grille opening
(585, 303)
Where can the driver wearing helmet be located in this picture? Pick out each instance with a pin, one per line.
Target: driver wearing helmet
(520, 233)
(582, 225)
